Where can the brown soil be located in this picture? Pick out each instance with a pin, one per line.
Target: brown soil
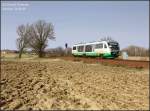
(59, 84)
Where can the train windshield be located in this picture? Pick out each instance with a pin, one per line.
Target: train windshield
(113, 45)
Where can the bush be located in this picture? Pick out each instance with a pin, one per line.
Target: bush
(57, 52)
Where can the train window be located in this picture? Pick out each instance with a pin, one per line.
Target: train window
(88, 48)
(98, 46)
(80, 48)
(105, 46)
(74, 48)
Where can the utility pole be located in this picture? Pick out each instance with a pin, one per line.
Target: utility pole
(66, 46)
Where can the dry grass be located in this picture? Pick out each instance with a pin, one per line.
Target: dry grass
(14, 57)
(137, 58)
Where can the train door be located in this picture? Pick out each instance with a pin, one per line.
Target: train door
(105, 48)
(80, 50)
(99, 48)
(74, 49)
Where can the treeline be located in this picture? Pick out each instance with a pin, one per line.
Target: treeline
(9, 51)
(58, 51)
(52, 52)
(136, 51)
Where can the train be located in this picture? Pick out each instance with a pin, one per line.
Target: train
(103, 49)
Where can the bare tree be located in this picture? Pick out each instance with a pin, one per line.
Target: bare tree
(136, 51)
(22, 41)
(39, 34)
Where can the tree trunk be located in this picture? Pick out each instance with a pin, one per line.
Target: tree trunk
(40, 54)
(20, 53)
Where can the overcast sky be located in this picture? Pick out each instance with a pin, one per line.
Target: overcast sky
(79, 21)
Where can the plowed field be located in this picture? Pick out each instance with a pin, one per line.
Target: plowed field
(60, 84)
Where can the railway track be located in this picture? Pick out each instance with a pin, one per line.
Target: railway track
(116, 62)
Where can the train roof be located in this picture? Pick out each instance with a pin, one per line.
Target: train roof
(94, 42)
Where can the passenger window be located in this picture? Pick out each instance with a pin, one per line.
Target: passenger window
(105, 46)
(99, 46)
(74, 48)
(80, 48)
(88, 48)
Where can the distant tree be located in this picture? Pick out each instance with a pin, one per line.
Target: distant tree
(22, 41)
(59, 51)
(39, 34)
(136, 51)
(69, 51)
